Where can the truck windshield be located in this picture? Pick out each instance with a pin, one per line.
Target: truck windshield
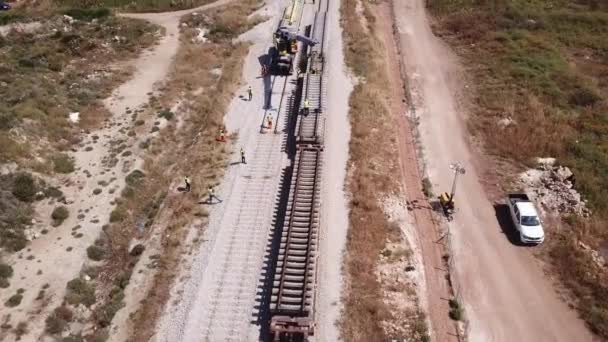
(530, 221)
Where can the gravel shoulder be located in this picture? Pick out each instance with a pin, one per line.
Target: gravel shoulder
(334, 205)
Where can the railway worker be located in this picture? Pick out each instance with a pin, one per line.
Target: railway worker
(211, 193)
(249, 93)
(306, 106)
(222, 135)
(187, 181)
(269, 120)
(243, 156)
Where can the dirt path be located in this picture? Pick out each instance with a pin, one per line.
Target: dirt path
(506, 296)
(426, 233)
(57, 257)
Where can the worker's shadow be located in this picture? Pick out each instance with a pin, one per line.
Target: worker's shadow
(181, 189)
(211, 201)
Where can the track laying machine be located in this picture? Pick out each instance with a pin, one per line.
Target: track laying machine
(286, 39)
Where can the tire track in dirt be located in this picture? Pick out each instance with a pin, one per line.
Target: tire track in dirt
(506, 296)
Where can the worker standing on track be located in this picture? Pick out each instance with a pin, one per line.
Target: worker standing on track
(211, 193)
(306, 106)
(243, 156)
(250, 93)
(269, 120)
(187, 181)
(222, 137)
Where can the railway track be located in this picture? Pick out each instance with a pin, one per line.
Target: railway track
(294, 283)
(292, 299)
(310, 126)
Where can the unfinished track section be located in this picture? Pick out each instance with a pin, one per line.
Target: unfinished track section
(310, 123)
(294, 284)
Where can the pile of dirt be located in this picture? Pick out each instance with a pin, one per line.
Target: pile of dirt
(553, 187)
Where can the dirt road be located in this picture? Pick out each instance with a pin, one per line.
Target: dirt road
(506, 295)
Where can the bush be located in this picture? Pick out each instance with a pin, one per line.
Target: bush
(118, 214)
(54, 324)
(135, 178)
(14, 300)
(456, 312)
(59, 215)
(64, 313)
(167, 114)
(24, 187)
(6, 271)
(80, 292)
(427, 187)
(88, 14)
(109, 310)
(62, 163)
(583, 98)
(95, 253)
(53, 192)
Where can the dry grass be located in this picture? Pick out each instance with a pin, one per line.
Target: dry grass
(545, 66)
(365, 313)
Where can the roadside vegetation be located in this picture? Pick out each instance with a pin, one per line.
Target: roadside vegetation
(204, 78)
(369, 314)
(62, 66)
(135, 6)
(542, 67)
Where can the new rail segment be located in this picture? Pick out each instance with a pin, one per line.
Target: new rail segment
(292, 302)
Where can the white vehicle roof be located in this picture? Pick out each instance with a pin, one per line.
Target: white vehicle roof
(526, 209)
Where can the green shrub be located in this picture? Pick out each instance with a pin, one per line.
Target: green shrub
(59, 215)
(135, 178)
(108, 311)
(88, 14)
(427, 187)
(24, 187)
(118, 214)
(53, 192)
(6, 271)
(54, 324)
(80, 292)
(456, 312)
(62, 163)
(95, 253)
(167, 114)
(14, 300)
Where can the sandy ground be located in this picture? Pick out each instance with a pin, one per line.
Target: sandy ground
(334, 210)
(57, 257)
(216, 300)
(506, 295)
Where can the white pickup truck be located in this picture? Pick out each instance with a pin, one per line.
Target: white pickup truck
(525, 218)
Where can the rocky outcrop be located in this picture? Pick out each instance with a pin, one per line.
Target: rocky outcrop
(553, 188)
